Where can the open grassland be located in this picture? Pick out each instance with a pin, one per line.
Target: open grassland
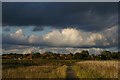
(10, 63)
(59, 68)
(36, 72)
(96, 69)
(34, 68)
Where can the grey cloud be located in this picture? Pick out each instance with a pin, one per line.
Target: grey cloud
(86, 16)
(38, 28)
(7, 29)
(15, 38)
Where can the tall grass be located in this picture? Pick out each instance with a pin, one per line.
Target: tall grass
(96, 69)
(60, 72)
(34, 68)
(57, 69)
(35, 72)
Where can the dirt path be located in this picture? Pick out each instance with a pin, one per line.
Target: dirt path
(70, 73)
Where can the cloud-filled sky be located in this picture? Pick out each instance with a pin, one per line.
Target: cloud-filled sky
(61, 25)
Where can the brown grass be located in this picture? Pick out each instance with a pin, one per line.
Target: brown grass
(35, 72)
(96, 69)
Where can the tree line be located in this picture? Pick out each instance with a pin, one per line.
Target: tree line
(83, 55)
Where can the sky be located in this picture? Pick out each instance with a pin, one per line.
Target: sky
(60, 27)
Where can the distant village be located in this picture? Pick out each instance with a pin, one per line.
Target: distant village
(83, 55)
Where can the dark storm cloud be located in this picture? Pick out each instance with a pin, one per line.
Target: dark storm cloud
(7, 39)
(13, 46)
(38, 28)
(7, 29)
(85, 16)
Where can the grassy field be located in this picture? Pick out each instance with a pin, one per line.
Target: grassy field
(36, 72)
(57, 69)
(34, 68)
(96, 69)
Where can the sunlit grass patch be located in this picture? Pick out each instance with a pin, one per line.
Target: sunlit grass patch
(36, 72)
(96, 69)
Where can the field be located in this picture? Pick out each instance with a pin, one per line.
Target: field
(96, 69)
(34, 68)
(59, 69)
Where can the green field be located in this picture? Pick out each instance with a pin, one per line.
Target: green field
(58, 69)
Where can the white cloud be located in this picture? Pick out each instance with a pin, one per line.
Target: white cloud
(30, 50)
(72, 37)
(35, 39)
(19, 36)
(93, 37)
(69, 37)
(111, 35)
(10, 51)
(58, 50)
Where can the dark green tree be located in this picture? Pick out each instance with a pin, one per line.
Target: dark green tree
(36, 55)
(77, 55)
(106, 55)
(115, 55)
(84, 54)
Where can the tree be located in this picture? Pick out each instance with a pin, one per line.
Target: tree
(36, 55)
(77, 55)
(69, 56)
(115, 55)
(106, 55)
(84, 54)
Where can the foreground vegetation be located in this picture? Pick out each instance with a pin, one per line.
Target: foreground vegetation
(36, 72)
(41, 68)
(52, 65)
(36, 68)
(96, 69)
